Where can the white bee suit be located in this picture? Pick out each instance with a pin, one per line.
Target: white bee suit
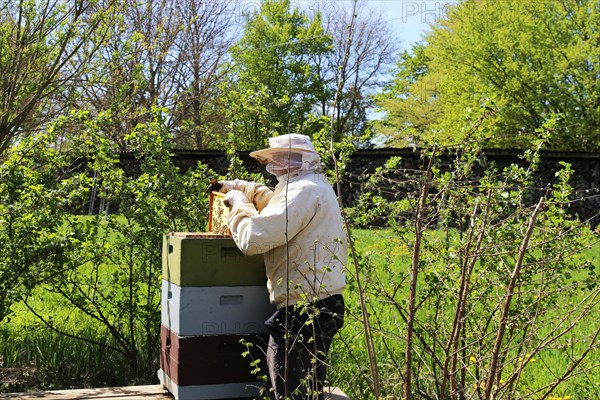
(299, 229)
(296, 225)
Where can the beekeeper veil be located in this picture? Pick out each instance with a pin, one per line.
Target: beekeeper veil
(288, 153)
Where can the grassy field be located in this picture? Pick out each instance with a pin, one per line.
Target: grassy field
(33, 357)
(388, 270)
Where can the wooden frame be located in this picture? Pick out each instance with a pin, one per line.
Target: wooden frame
(217, 217)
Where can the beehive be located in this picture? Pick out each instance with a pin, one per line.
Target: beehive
(209, 367)
(213, 298)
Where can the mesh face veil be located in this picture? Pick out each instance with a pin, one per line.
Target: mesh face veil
(288, 153)
(288, 161)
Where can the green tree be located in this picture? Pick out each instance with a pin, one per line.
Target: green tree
(44, 49)
(273, 68)
(30, 219)
(409, 105)
(106, 267)
(527, 62)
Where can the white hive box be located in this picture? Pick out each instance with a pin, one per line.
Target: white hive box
(209, 392)
(218, 310)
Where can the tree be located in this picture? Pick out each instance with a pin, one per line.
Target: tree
(44, 48)
(410, 108)
(199, 117)
(272, 62)
(30, 219)
(372, 51)
(167, 55)
(46, 249)
(529, 63)
(501, 276)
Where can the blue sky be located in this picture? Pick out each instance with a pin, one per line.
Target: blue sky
(408, 19)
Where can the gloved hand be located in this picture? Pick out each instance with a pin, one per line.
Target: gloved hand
(221, 186)
(234, 197)
(214, 186)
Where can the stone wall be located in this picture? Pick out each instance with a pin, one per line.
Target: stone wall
(586, 179)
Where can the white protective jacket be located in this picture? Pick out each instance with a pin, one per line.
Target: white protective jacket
(303, 212)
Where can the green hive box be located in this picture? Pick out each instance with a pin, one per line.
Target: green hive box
(197, 259)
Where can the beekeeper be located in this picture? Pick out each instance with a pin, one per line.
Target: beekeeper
(299, 229)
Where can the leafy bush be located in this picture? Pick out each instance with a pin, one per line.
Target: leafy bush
(483, 283)
(104, 269)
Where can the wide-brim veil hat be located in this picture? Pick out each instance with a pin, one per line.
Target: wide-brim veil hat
(293, 143)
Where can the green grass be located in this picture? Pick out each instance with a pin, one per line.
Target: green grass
(386, 260)
(33, 357)
(37, 358)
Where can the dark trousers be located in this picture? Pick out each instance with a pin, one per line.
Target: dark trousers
(311, 327)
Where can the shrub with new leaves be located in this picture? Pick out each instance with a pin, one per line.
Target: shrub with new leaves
(496, 286)
(105, 268)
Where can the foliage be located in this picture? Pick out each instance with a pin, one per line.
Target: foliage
(527, 62)
(43, 359)
(410, 106)
(475, 221)
(499, 274)
(107, 267)
(44, 49)
(34, 247)
(385, 256)
(273, 71)
(124, 58)
(500, 278)
(165, 55)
